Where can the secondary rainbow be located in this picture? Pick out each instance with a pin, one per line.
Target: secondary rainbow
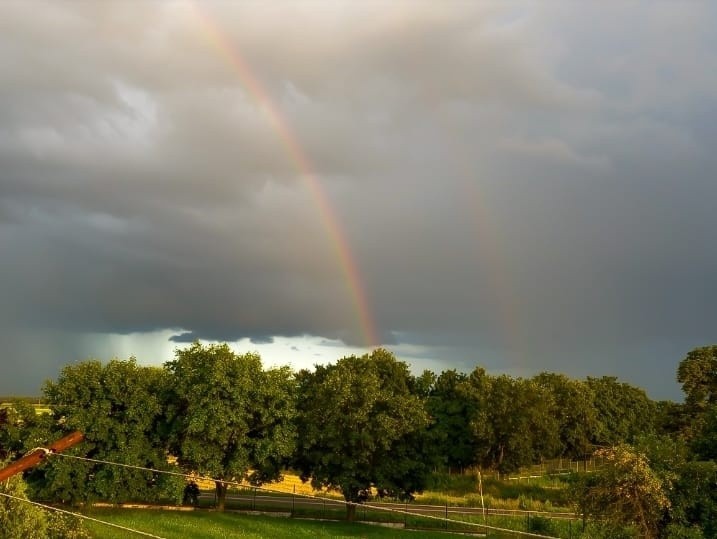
(221, 43)
(488, 249)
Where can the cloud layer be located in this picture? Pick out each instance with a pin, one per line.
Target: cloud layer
(529, 188)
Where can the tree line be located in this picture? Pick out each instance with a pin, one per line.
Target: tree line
(361, 425)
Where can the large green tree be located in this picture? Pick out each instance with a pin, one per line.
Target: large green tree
(474, 391)
(624, 412)
(520, 427)
(697, 373)
(572, 406)
(451, 408)
(119, 407)
(360, 427)
(230, 419)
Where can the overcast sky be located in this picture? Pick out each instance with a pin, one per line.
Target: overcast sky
(524, 186)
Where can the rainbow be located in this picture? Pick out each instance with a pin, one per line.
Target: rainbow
(221, 43)
(487, 248)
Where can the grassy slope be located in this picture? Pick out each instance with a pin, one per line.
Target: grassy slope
(205, 525)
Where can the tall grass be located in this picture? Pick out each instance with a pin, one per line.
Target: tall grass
(547, 493)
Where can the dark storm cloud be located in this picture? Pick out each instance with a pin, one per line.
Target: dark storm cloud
(519, 187)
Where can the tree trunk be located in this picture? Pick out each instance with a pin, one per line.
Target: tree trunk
(350, 512)
(221, 495)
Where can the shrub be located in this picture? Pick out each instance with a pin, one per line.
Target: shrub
(18, 519)
(64, 526)
(540, 525)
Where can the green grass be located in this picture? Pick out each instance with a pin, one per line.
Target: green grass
(538, 494)
(211, 525)
(523, 496)
(535, 494)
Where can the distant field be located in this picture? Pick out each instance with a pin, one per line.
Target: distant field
(209, 525)
(8, 398)
(33, 401)
(537, 494)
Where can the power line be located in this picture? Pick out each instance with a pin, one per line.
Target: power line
(80, 515)
(239, 484)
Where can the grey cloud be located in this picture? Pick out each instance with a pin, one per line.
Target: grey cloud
(262, 340)
(517, 187)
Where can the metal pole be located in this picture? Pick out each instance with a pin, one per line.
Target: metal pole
(293, 501)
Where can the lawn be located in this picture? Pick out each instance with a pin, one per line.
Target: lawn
(211, 525)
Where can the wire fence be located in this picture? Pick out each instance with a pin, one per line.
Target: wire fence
(453, 518)
(476, 526)
(551, 467)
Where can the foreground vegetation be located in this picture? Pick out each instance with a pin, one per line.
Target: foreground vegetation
(211, 525)
(367, 428)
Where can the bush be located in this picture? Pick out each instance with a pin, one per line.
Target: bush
(64, 526)
(608, 530)
(18, 519)
(677, 531)
(540, 525)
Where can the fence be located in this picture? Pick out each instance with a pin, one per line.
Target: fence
(547, 467)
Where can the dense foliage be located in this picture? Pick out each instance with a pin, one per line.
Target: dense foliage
(120, 409)
(366, 426)
(20, 520)
(664, 485)
(227, 417)
(360, 426)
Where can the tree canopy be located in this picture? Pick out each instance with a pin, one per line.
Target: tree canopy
(359, 423)
(367, 427)
(697, 373)
(228, 418)
(119, 408)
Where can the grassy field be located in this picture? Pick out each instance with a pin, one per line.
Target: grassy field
(547, 493)
(534, 494)
(6, 402)
(210, 525)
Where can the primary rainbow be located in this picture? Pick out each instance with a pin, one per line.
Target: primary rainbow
(222, 44)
